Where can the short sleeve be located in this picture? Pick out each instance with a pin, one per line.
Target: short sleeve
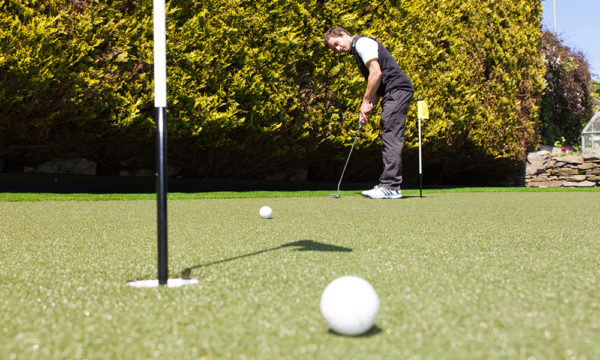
(367, 49)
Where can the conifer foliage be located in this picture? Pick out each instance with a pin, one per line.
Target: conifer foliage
(253, 91)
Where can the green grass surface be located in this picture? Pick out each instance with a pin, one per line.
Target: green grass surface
(261, 194)
(471, 275)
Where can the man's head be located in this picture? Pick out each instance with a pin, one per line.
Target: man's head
(338, 39)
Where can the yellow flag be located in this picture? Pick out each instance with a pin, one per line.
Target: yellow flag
(422, 109)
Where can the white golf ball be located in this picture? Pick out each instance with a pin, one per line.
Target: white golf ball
(265, 212)
(350, 305)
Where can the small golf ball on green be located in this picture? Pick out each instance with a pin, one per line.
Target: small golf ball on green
(350, 305)
(265, 212)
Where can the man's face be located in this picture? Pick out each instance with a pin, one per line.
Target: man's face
(340, 44)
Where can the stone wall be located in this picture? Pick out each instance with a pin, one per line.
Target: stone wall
(553, 169)
(75, 166)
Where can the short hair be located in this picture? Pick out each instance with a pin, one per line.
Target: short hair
(337, 31)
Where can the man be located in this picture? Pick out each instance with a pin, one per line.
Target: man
(385, 80)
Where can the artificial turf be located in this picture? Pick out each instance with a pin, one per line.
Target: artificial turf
(459, 275)
(18, 196)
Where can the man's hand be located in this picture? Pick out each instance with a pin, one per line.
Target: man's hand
(365, 111)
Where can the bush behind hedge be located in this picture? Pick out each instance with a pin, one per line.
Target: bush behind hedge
(567, 102)
(252, 90)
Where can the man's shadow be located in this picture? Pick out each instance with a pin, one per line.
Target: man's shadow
(301, 245)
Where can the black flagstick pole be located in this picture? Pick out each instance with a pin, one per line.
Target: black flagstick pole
(161, 195)
(160, 105)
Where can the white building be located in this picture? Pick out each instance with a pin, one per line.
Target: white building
(590, 136)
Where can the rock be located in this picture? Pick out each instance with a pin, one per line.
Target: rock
(75, 166)
(538, 156)
(547, 148)
(537, 162)
(278, 176)
(543, 170)
(539, 179)
(49, 167)
(138, 172)
(545, 184)
(574, 178)
(557, 151)
(591, 155)
(298, 174)
(145, 172)
(579, 184)
(587, 166)
(568, 171)
(571, 159)
(593, 178)
(552, 172)
(531, 170)
(593, 172)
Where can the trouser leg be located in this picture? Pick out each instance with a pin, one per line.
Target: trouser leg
(393, 118)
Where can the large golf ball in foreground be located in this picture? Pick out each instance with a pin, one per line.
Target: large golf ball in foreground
(350, 305)
(265, 212)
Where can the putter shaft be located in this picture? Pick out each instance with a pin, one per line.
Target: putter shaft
(347, 160)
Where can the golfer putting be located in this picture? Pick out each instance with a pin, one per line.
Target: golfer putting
(387, 81)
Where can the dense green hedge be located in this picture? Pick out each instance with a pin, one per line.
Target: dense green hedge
(252, 91)
(75, 80)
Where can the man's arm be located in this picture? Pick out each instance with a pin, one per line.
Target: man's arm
(370, 97)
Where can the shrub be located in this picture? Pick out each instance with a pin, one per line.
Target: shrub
(75, 79)
(567, 104)
(253, 91)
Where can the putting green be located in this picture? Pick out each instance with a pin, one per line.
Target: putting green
(459, 275)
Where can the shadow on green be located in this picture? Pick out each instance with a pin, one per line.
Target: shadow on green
(374, 331)
(301, 245)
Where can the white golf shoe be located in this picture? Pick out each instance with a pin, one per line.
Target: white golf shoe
(382, 193)
(367, 192)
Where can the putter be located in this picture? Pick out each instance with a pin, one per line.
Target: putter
(337, 196)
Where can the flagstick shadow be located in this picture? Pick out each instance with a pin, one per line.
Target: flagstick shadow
(301, 245)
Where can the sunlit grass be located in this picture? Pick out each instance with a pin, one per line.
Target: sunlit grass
(460, 275)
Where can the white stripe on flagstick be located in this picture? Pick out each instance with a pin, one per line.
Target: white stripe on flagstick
(160, 55)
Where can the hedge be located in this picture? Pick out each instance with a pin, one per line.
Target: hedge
(252, 90)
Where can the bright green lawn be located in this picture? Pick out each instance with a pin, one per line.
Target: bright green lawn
(262, 194)
(512, 275)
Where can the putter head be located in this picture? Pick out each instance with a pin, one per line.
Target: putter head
(336, 196)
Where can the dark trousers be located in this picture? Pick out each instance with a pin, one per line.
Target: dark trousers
(393, 117)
